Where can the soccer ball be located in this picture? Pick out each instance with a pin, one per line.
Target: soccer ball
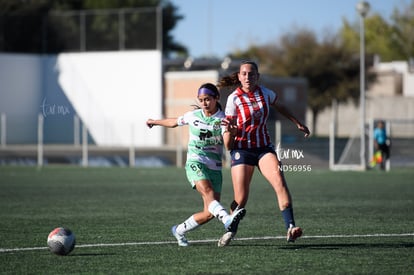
(61, 241)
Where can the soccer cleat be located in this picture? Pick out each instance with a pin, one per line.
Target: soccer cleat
(293, 233)
(231, 226)
(182, 241)
(225, 239)
(233, 223)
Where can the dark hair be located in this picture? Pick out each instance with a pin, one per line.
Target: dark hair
(215, 93)
(233, 79)
(254, 64)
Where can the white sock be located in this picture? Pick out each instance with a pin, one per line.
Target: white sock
(188, 225)
(218, 211)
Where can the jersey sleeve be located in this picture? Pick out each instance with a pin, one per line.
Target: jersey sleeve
(184, 119)
(230, 110)
(271, 94)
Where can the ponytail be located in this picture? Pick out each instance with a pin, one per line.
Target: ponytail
(231, 81)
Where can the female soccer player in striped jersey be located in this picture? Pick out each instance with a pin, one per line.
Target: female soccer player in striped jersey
(248, 107)
(204, 160)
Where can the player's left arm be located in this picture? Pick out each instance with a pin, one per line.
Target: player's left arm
(285, 112)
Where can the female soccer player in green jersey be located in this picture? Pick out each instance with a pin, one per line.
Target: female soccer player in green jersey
(204, 160)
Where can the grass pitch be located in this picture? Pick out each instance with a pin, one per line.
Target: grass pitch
(354, 223)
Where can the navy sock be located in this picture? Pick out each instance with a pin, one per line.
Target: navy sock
(233, 205)
(287, 214)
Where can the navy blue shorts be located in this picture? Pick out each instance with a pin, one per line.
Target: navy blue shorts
(250, 156)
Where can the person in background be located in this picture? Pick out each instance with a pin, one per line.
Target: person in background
(248, 108)
(381, 144)
(204, 160)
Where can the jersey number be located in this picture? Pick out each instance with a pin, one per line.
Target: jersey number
(195, 167)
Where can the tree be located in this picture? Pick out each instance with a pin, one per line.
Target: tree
(170, 20)
(403, 30)
(378, 35)
(47, 26)
(389, 39)
(331, 70)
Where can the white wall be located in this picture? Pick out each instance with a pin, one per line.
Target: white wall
(403, 68)
(380, 104)
(348, 115)
(112, 92)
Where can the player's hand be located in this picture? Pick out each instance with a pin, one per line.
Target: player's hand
(304, 129)
(231, 126)
(150, 123)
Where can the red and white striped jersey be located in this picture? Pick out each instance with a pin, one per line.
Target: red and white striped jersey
(251, 111)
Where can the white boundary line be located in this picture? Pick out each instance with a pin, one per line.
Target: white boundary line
(5, 250)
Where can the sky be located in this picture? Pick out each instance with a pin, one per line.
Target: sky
(218, 27)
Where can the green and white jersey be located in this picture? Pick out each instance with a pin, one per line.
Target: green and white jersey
(205, 143)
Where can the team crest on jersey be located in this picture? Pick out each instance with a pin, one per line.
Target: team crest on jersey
(257, 114)
(216, 125)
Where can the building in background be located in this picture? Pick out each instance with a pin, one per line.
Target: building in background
(182, 83)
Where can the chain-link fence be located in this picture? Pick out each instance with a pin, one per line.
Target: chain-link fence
(84, 30)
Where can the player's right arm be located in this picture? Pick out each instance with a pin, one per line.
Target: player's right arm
(166, 122)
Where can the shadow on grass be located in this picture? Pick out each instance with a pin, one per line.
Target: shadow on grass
(91, 254)
(348, 245)
(332, 246)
